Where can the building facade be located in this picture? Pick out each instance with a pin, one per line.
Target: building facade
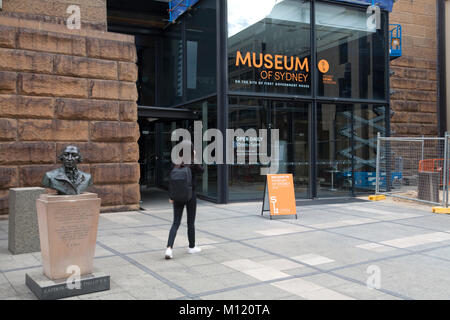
(122, 83)
(414, 82)
(60, 86)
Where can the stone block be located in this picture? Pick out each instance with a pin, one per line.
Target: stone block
(53, 86)
(128, 91)
(8, 82)
(35, 40)
(423, 118)
(86, 67)
(82, 109)
(104, 89)
(9, 177)
(4, 199)
(114, 131)
(46, 289)
(97, 152)
(23, 234)
(115, 173)
(8, 129)
(130, 152)
(128, 71)
(428, 107)
(18, 153)
(53, 130)
(128, 111)
(26, 107)
(131, 194)
(111, 195)
(106, 173)
(129, 172)
(19, 60)
(111, 50)
(7, 37)
(68, 226)
(31, 176)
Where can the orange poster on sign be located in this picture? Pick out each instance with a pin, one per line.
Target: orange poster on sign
(280, 195)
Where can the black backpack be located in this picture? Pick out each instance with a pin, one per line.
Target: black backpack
(180, 184)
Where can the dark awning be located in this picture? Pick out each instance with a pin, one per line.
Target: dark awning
(159, 113)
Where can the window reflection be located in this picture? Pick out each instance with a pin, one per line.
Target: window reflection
(351, 57)
(269, 46)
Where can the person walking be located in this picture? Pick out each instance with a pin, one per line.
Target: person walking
(182, 193)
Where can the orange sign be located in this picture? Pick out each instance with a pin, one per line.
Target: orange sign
(281, 195)
(324, 66)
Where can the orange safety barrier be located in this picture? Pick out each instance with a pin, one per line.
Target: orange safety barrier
(432, 165)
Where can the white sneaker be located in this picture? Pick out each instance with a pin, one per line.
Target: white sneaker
(169, 253)
(194, 250)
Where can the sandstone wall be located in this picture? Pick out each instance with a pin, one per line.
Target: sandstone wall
(60, 87)
(93, 12)
(415, 79)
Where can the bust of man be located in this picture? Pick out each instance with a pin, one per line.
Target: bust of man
(68, 180)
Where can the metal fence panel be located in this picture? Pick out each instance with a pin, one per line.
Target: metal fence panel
(414, 168)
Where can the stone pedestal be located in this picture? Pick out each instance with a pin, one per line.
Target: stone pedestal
(46, 289)
(23, 233)
(429, 186)
(68, 232)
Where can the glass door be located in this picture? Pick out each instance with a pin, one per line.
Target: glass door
(292, 121)
(334, 150)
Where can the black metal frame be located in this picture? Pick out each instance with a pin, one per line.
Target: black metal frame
(314, 100)
(441, 68)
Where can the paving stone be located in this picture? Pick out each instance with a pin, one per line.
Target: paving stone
(309, 290)
(236, 260)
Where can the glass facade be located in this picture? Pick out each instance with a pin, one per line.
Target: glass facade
(351, 58)
(189, 58)
(172, 88)
(270, 54)
(201, 77)
(310, 69)
(347, 142)
(269, 47)
(207, 114)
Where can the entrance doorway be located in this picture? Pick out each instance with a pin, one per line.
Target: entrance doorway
(293, 124)
(155, 147)
(292, 121)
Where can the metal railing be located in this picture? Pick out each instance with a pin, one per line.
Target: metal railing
(413, 168)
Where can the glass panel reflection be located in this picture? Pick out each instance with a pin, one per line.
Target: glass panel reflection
(269, 46)
(334, 161)
(245, 180)
(291, 119)
(351, 58)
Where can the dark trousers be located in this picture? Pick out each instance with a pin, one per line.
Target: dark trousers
(191, 208)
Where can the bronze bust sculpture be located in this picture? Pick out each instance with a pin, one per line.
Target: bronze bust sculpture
(68, 180)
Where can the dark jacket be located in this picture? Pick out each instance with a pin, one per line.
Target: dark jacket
(196, 169)
(58, 181)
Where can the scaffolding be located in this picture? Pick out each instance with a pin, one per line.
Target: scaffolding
(178, 7)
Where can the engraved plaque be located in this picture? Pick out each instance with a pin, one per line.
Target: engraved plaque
(68, 232)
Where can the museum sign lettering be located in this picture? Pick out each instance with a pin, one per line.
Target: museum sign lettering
(275, 67)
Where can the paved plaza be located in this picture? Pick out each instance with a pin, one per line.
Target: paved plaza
(332, 251)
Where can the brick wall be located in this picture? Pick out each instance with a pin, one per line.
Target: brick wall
(60, 87)
(92, 12)
(415, 81)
